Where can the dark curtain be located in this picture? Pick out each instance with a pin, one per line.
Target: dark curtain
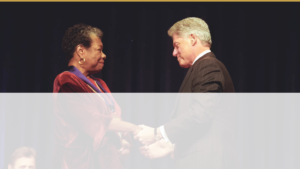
(257, 42)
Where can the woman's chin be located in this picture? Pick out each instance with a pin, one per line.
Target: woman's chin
(95, 71)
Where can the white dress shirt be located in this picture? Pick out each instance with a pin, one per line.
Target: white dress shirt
(201, 54)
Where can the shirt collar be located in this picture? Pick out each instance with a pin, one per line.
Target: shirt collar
(201, 54)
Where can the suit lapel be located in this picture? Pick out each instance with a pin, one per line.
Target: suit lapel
(175, 107)
(191, 70)
(181, 89)
(186, 78)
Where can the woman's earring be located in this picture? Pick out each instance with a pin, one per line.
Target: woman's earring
(81, 59)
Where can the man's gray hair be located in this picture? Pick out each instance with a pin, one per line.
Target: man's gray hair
(21, 152)
(192, 25)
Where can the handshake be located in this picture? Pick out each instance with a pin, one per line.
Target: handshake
(155, 145)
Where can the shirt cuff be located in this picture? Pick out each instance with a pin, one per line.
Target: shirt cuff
(163, 133)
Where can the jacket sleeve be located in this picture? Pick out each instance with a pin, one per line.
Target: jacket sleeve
(206, 77)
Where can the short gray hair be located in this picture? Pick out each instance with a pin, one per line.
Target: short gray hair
(192, 25)
(21, 152)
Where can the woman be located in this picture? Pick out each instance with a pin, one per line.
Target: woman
(88, 126)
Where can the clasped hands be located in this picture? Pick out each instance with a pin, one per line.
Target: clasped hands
(152, 148)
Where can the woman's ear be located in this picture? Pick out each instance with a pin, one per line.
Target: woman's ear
(79, 50)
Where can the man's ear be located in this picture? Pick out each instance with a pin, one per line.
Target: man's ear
(193, 39)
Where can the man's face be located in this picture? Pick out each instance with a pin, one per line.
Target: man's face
(183, 51)
(94, 56)
(23, 163)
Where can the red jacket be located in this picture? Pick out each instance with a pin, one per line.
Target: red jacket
(81, 120)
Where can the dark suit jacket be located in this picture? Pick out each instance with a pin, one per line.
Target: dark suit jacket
(195, 126)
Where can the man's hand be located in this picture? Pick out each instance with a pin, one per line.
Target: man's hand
(146, 135)
(125, 149)
(157, 150)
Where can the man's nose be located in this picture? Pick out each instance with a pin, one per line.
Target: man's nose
(175, 52)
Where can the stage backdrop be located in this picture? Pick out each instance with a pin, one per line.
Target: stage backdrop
(257, 42)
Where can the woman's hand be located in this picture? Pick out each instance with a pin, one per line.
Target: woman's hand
(137, 130)
(125, 149)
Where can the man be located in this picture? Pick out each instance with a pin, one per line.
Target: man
(194, 128)
(22, 158)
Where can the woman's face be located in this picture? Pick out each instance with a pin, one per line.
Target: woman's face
(94, 56)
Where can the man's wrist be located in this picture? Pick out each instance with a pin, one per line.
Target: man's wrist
(158, 131)
(157, 135)
(163, 133)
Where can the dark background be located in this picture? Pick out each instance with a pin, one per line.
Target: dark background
(257, 42)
